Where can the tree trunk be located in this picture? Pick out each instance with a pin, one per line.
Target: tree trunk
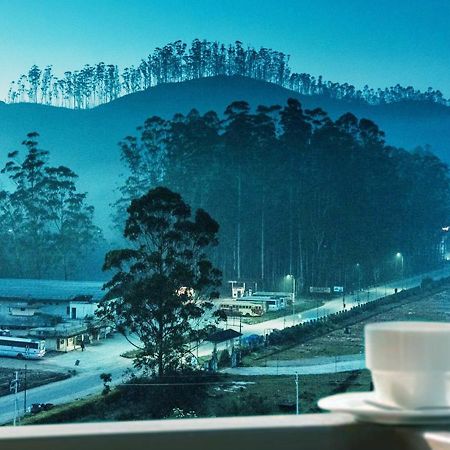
(262, 239)
(238, 243)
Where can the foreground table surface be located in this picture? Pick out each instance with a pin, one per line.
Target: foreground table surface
(306, 432)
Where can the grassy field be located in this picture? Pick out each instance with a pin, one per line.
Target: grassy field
(231, 396)
(276, 394)
(34, 378)
(431, 308)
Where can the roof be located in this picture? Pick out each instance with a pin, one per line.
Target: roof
(26, 289)
(61, 330)
(223, 335)
(272, 294)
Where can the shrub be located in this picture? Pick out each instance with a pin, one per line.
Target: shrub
(224, 359)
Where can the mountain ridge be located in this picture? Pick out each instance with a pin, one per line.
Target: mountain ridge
(86, 139)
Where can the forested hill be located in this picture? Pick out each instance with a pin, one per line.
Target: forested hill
(86, 140)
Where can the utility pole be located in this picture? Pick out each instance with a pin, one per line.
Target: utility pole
(25, 391)
(13, 387)
(293, 300)
(297, 406)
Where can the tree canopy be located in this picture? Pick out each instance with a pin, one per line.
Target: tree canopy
(162, 285)
(176, 61)
(296, 192)
(46, 224)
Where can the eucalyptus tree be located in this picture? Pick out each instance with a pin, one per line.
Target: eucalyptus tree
(48, 224)
(70, 220)
(295, 192)
(176, 61)
(164, 282)
(144, 157)
(27, 199)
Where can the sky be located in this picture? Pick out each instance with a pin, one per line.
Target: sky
(379, 43)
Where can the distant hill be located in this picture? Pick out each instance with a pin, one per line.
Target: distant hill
(86, 140)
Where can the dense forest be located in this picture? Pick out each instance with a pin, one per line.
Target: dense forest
(46, 225)
(100, 83)
(296, 193)
(293, 191)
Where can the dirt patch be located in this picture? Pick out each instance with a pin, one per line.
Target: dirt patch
(29, 379)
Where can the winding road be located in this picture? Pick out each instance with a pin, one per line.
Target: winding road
(105, 355)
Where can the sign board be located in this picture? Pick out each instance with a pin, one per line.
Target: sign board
(338, 289)
(319, 290)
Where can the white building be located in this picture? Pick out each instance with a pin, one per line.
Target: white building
(41, 303)
(272, 301)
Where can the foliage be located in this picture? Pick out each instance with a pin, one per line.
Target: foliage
(180, 395)
(178, 413)
(224, 359)
(163, 285)
(175, 62)
(297, 193)
(106, 378)
(46, 225)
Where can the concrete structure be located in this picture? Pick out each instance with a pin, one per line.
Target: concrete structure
(237, 289)
(62, 337)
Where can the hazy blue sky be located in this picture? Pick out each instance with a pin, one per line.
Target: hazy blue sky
(378, 42)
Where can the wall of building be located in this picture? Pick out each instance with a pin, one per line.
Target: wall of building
(83, 309)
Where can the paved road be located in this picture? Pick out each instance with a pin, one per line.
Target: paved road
(105, 356)
(336, 305)
(96, 359)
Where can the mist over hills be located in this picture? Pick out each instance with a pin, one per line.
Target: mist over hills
(86, 140)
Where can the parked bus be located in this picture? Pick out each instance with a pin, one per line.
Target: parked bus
(22, 347)
(242, 308)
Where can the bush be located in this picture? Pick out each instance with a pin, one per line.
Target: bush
(426, 283)
(224, 359)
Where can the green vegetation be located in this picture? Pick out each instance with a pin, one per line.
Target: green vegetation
(163, 283)
(219, 396)
(177, 61)
(34, 378)
(272, 173)
(344, 334)
(46, 225)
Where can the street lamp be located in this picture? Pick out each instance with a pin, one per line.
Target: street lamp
(293, 297)
(358, 268)
(399, 256)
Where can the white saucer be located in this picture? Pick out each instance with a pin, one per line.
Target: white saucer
(364, 407)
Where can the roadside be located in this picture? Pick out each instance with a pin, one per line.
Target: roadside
(229, 396)
(105, 357)
(321, 366)
(28, 379)
(349, 340)
(336, 305)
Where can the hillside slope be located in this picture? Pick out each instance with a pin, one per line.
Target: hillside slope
(86, 140)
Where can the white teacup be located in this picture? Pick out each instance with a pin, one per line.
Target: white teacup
(410, 363)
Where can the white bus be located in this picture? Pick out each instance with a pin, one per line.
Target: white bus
(22, 347)
(242, 308)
